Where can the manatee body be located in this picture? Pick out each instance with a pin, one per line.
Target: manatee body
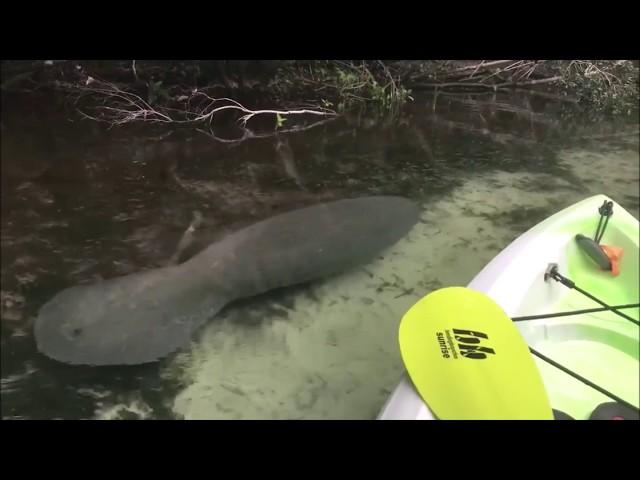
(145, 316)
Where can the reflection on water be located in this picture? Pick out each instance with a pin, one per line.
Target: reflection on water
(80, 203)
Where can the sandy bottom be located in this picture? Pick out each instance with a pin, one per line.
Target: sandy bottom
(130, 409)
(331, 351)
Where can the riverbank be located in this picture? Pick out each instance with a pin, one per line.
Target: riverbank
(182, 91)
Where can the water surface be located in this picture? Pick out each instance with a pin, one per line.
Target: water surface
(81, 202)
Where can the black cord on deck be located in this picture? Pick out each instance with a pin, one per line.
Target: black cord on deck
(583, 380)
(553, 273)
(575, 312)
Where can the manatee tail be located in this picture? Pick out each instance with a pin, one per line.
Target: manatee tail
(130, 320)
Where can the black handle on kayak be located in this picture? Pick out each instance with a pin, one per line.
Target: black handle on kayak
(594, 251)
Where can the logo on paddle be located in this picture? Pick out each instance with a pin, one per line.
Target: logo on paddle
(464, 343)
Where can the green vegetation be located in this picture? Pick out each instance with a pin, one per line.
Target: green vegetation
(600, 86)
(343, 85)
(603, 85)
(192, 92)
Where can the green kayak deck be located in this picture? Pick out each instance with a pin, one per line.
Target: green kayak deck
(601, 347)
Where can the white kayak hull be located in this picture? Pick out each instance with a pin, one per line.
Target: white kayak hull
(515, 280)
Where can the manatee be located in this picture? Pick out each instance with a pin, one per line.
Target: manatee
(145, 316)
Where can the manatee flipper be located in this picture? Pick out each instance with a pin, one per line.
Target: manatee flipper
(145, 316)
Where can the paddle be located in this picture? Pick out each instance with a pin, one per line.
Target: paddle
(468, 361)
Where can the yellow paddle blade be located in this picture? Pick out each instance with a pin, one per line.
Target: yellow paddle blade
(468, 361)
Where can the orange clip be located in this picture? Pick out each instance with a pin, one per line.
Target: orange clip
(614, 254)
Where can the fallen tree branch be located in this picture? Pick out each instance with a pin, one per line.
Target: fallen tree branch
(456, 85)
(115, 106)
(485, 86)
(481, 68)
(538, 81)
(483, 65)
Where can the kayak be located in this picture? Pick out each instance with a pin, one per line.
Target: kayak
(588, 361)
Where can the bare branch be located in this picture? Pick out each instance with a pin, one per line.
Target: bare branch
(483, 65)
(113, 105)
(495, 86)
(249, 134)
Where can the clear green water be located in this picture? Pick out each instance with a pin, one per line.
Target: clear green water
(80, 202)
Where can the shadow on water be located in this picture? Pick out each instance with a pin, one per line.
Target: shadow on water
(81, 202)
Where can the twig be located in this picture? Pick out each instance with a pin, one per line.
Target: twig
(483, 64)
(514, 66)
(459, 85)
(538, 81)
(476, 69)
